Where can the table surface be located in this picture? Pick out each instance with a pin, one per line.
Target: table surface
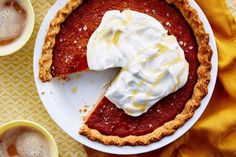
(18, 94)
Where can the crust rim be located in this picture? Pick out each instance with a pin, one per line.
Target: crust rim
(45, 61)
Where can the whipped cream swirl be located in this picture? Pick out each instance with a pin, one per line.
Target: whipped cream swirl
(152, 63)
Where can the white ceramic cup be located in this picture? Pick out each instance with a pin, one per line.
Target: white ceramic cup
(24, 123)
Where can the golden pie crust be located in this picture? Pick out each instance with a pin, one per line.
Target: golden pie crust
(199, 91)
(45, 61)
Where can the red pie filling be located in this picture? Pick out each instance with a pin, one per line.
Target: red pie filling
(69, 56)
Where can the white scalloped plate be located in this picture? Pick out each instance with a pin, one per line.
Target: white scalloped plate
(63, 102)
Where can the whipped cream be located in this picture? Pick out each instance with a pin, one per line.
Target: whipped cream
(152, 63)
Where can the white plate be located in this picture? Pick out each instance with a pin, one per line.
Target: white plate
(63, 105)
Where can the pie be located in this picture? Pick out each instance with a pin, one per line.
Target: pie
(64, 53)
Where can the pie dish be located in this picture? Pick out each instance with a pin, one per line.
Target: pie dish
(167, 115)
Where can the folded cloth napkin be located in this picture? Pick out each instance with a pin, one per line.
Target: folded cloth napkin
(215, 133)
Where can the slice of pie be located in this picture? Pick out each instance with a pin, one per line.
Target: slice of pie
(64, 53)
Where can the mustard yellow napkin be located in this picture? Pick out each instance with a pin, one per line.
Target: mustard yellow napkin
(214, 135)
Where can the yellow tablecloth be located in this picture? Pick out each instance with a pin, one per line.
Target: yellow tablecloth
(213, 135)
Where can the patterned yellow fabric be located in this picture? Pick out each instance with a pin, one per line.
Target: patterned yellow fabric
(18, 95)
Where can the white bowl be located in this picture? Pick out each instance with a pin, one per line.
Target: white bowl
(63, 104)
(24, 37)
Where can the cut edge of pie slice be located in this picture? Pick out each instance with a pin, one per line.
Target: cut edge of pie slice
(199, 91)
